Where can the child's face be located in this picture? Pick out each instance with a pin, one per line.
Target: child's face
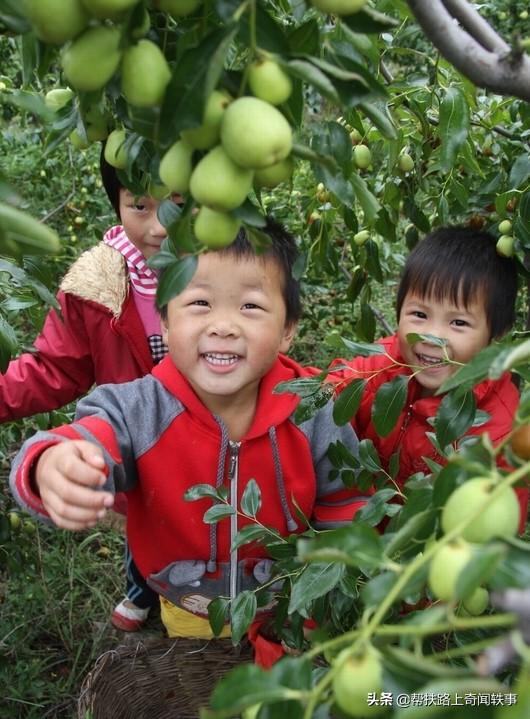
(140, 222)
(465, 330)
(224, 331)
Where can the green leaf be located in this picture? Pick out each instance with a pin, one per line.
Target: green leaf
(414, 337)
(520, 170)
(454, 126)
(368, 21)
(454, 417)
(373, 264)
(251, 499)
(368, 456)
(389, 402)
(313, 76)
(347, 403)
(175, 278)
(218, 610)
(382, 119)
(355, 545)
(509, 359)
(218, 512)
(251, 533)
(315, 581)
(304, 387)
(474, 371)
(376, 508)
(514, 570)
(242, 612)
(367, 200)
(480, 568)
(200, 491)
(364, 349)
(168, 213)
(250, 214)
(305, 39)
(410, 530)
(13, 17)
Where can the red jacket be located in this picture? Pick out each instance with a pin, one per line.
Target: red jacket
(99, 339)
(498, 398)
(160, 440)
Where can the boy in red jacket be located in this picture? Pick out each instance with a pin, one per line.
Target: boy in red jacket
(207, 414)
(454, 287)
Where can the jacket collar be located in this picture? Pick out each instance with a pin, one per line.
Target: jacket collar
(272, 409)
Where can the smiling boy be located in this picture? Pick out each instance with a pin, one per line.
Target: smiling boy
(457, 290)
(207, 414)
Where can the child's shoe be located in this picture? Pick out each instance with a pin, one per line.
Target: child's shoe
(128, 617)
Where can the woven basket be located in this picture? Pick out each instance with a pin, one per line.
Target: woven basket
(157, 679)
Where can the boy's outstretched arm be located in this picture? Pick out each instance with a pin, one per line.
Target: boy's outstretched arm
(68, 476)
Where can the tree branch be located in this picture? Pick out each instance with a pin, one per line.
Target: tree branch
(497, 69)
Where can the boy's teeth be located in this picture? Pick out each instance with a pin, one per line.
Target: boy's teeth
(216, 358)
(429, 360)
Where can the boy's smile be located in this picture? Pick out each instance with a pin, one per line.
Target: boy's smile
(465, 331)
(225, 330)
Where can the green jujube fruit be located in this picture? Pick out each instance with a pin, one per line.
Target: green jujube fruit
(145, 74)
(255, 134)
(114, 152)
(108, 8)
(57, 21)
(215, 229)
(218, 182)
(207, 134)
(91, 60)
(175, 167)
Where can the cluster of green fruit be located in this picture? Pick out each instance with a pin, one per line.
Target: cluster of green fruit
(499, 518)
(505, 243)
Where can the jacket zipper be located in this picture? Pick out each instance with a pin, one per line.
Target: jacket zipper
(233, 476)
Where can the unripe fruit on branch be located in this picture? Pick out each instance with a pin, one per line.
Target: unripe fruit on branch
(208, 133)
(145, 74)
(177, 8)
(215, 229)
(79, 142)
(269, 82)
(175, 167)
(499, 519)
(275, 174)
(114, 152)
(218, 182)
(58, 97)
(91, 60)
(356, 677)
(361, 237)
(362, 156)
(445, 568)
(405, 162)
(477, 602)
(520, 442)
(505, 227)
(255, 134)
(108, 8)
(96, 124)
(339, 7)
(355, 137)
(505, 245)
(56, 21)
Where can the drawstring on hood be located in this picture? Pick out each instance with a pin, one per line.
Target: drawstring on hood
(291, 524)
(225, 442)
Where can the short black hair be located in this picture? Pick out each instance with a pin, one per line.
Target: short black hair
(282, 249)
(462, 264)
(111, 183)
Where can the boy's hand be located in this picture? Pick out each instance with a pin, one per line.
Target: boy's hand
(67, 476)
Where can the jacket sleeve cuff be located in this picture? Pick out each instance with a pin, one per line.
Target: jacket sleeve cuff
(22, 478)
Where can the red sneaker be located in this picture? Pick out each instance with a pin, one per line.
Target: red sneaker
(128, 617)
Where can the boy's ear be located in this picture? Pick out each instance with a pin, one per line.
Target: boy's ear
(288, 336)
(163, 327)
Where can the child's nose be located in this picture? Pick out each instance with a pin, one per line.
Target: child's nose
(156, 228)
(223, 326)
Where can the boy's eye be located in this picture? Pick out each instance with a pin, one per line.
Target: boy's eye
(139, 207)
(460, 323)
(250, 306)
(419, 314)
(200, 303)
